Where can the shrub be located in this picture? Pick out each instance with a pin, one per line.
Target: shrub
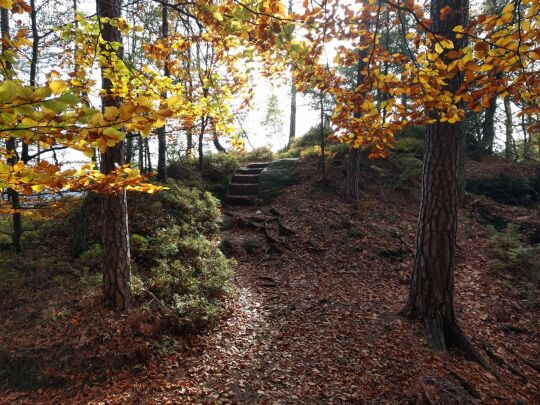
(339, 149)
(193, 210)
(217, 168)
(511, 254)
(409, 173)
(91, 258)
(261, 154)
(188, 275)
(410, 146)
(310, 138)
(513, 189)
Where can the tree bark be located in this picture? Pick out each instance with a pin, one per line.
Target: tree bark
(11, 144)
(115, 234)
(162, 132)
(488, 128)
(357, 158)
(431, 297)
(141, 153)
(323, 139)
(508, 144)
(218, 145)
(292, 121)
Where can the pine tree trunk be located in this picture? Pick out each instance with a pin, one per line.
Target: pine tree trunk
(508, 126)
(485, 146)
(162, 132)
(11, 144)
(357, 158)
(432, 290)
(292, 121)
(322, 139)
(115, 234)
(355, 164)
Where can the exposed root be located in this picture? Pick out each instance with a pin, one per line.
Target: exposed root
(458, 340)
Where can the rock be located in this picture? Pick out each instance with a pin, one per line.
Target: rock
(279, 175)
(226, 247)
(226, 222)
(252, 245)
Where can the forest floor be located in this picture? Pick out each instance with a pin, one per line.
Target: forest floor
(316, 317)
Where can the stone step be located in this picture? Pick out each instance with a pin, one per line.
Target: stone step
(258, 165)
(249, 170)
(240, 199)
(245, 178)
(243, 188)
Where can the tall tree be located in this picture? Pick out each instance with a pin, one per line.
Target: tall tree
(357, 156)
(11, 143)
(509, 145)
(431, 297)
(162, 132)
(292, 120)
(115, 236)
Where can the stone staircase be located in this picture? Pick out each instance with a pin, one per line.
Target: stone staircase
(242, 188)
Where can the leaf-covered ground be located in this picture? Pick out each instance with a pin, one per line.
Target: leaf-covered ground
(316, 316)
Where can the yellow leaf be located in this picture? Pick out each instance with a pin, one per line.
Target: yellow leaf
(217, 15)
(58, 86)
(485, 68)
(6, 3)
(438, 48)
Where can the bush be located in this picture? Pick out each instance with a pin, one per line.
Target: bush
(91, 258)
(409, 173)
(310, 138)
(511, 254)
(262, 154)
(193, 210)
(188, 275)
(512, 189)
(410, 146)
(217, 169)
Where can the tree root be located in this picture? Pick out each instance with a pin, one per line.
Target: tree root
(458, 339)
(445, 333)
(467, 385)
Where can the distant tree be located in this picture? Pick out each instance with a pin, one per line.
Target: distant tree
(273, 120)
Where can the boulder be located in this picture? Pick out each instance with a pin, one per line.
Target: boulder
(275, 178)
(226, 222)
(252, 245)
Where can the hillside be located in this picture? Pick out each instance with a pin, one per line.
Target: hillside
(316, 316)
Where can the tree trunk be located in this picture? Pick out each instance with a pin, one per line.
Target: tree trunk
(141, 153)
(162, 132)
(488, 128)
(115, 234)
(148, 156)
(189, 145)
(201, 151)
(357, 158)
(432, 289)
(292, 121)
(218, 145)
(323, 139)
(129, 148)
(11, 144)
(508, 126)
(462, 160)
